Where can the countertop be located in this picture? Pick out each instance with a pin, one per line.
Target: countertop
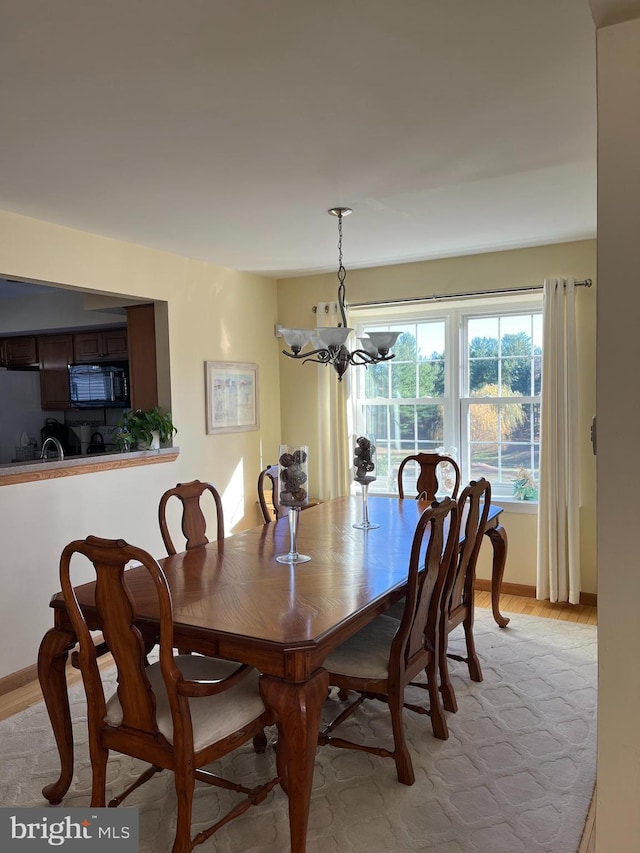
(39, 469)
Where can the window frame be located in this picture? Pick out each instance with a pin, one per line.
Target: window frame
(456, 401)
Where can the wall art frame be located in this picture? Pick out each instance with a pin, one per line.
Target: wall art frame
(231, 396)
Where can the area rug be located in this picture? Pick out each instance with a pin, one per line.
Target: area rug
(515, 776)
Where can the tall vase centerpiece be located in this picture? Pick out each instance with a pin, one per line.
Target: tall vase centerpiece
(292, 493)
(364, 472)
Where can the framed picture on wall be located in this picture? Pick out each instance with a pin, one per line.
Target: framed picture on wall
(231, 396)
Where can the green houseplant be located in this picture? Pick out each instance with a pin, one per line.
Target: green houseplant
(137, 428)
(525, 487)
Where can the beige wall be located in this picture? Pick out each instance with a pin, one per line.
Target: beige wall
(618, 816)
(472, 273)
(212, 314)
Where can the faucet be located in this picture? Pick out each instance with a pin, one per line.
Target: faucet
(56, 444)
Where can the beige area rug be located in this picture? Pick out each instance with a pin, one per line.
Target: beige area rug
(515, 776)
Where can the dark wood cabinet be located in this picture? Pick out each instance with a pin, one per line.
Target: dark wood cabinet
(143, 371)
(21, 352)
(100, 345)
(56, 353)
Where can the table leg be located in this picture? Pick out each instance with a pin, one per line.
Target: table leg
(298, 707)
(498, 537)
(52, 659)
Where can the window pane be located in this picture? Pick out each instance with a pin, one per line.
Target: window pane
(406, 423)
(430, 425)
(431, 378)
(516, 422)
(484, 460)
(376, 381)
(483, 377)
(403, 379)
(430, 338)
(514, 458)
(516, 377)
(516, 327)
(484, 328)
(375, 421)
(483, 422)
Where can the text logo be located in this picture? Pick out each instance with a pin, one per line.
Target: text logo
(41, 829)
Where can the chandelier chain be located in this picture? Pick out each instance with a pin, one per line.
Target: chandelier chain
(342, 274)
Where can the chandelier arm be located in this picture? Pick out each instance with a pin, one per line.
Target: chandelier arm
(324, 355)
(361, 356)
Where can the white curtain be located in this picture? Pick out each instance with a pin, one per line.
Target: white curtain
(333, 461)
(558, 576)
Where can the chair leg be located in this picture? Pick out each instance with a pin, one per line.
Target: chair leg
(438, 722)
(99, 757)
(185, 782)
(404, 766)
(446, 687)
(475, 672)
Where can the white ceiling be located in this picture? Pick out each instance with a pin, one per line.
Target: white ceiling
(224, 129)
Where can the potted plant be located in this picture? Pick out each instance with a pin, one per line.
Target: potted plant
(145, 429)
(525, 487)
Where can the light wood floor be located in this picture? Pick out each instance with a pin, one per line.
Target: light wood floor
(17, 700)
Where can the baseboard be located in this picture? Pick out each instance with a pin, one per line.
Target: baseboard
(18, 679)
(528, 591)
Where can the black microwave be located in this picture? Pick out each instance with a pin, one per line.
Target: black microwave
(93, 386)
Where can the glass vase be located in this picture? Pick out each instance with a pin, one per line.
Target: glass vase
(293, 493)
(364, 472)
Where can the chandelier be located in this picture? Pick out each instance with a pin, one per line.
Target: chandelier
(330, 342)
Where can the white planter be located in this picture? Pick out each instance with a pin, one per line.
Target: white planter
(155, 442)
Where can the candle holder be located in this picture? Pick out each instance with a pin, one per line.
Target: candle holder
(364, 462)
(292, 486)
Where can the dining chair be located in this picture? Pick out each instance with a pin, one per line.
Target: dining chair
(431, 469)
(180, 713)
(386, 655)
(458, 598)
(268, 490)
(194, 524)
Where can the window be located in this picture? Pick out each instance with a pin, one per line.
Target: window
(465, 381)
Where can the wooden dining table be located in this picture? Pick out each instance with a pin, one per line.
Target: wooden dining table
(232, 599)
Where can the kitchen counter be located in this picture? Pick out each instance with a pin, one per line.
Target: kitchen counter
(39, 469)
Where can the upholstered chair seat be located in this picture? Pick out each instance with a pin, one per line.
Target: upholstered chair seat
(212, 717)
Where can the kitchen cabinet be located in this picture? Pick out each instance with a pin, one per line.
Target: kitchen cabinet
(21, 351)
(56, 353)
(100, 345)
(143, 371)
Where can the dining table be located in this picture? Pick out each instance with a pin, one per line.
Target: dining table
(232, 599)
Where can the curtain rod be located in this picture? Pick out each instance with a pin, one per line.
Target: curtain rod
(587, 282)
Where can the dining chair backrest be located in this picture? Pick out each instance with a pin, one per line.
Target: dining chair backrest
(458, 599)
(194, 523)
(268, 494)
(268, 491)
(434, 469)
(433, 550)
(150, 715)
(474, 504)
(122, 636)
